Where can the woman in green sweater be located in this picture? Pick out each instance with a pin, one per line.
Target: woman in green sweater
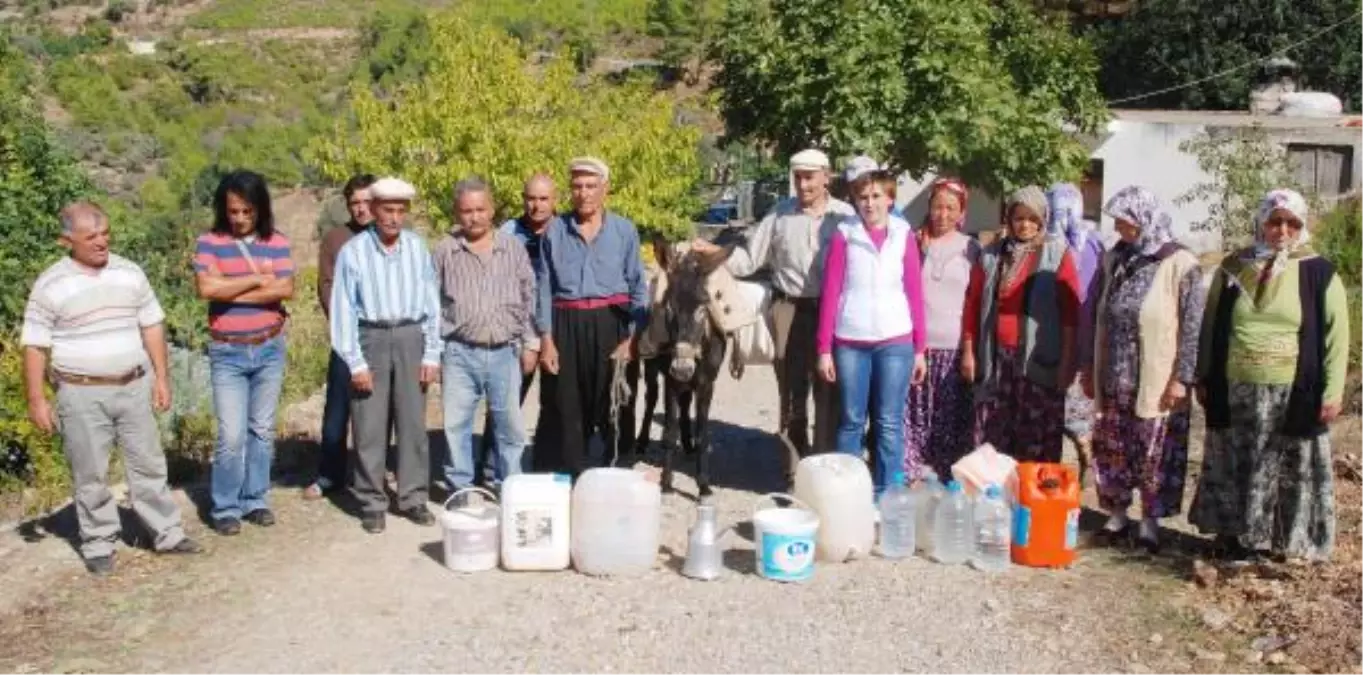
(1275, 344)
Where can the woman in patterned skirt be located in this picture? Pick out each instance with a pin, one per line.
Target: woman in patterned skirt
(1018, 335)
(937, 419)
(1150, 305)
(1067, 215)
(1275, 349)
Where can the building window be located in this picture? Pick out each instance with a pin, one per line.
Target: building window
(1326, 169)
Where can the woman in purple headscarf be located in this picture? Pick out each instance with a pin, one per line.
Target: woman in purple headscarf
(1067, 218)
(1148, 318)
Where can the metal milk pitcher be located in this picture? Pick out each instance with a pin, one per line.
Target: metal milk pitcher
(704, 555)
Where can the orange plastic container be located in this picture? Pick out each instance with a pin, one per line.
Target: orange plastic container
(1046, 518)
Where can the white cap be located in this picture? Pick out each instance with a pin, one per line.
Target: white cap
(810, 159)
(589, 165)
(857, 166)
(392, 189)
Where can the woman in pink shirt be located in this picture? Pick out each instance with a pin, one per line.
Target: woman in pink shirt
(937, 422)
(871, 329)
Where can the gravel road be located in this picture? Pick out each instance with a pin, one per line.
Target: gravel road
(317, 594)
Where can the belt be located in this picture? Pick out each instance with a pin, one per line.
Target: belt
(98, 380)
(388, 325)
(592, 303)
(794, 300)
(249, 339)
(481, 345)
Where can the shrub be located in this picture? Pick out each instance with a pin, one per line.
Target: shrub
(309, 341)
(1339, 237)
(30, 460)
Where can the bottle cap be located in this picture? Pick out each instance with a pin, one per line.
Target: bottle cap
(953, 486)
(993, 491)
(897, 478)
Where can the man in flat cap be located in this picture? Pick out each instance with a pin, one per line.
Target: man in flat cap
(592, 302)
(790, 242)
(385, 325)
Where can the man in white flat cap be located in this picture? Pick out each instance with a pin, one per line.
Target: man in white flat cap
(385, 325)
(790, 242)
(592, 304)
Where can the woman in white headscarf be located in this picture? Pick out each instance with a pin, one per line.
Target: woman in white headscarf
(1275, 345)
(1147, 322)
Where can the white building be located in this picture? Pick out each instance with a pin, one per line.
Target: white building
(1141, 147)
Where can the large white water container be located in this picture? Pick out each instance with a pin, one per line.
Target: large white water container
(535, 521)
(1310, 104)
(616, 517)
(837, 486)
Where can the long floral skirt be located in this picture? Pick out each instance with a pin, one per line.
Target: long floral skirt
(1272, 491)
(1149, 456)
(1022, 419)
(937, 420)
(1078, 414)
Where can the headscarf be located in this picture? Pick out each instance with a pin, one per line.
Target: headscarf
(1295, 204)
(1067, 214)
(1143, 209)
(954, 187)
(1015, 253)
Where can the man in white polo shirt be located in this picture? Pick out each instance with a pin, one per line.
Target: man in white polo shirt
(94, 327)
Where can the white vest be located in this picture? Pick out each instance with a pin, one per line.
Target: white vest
(873, 306)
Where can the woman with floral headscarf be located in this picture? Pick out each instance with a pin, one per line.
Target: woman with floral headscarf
(1067, 215)
(1275, 345)
(1017, 343)
(937, 419)
(1149, 312)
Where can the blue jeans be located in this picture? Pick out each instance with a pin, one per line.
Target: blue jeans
(335, 422)
(470, 374)
(887, 369)
(246, 383)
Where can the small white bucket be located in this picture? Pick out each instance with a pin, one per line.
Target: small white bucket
(784, 539)
(471, 532)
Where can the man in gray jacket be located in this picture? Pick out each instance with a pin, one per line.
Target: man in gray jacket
(789, 242)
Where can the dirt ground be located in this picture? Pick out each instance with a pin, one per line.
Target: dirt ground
(316, 593)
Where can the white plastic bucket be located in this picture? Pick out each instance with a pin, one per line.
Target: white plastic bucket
(471, 532)
(784, 539)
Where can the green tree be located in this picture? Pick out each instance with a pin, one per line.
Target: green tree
(687, 29)
(1244, 165)
(1168, 43)
(37, 178)
(482, 109)
(981, 88)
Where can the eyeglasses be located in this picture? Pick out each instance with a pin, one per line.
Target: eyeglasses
(1279, 221)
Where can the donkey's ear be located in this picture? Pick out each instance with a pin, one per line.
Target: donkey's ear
(662, 252)
(709, 262)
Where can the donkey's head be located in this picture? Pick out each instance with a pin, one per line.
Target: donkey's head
(685, 309)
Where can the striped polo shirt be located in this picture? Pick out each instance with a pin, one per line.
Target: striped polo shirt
(91, 319)
(222, 252)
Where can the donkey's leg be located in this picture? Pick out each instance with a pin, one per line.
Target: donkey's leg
(671, 412)
(705, 393)
(652, 373)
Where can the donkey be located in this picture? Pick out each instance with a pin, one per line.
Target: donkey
(690, 353)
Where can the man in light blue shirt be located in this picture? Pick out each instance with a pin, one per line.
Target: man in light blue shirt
(593, 302)
(385, 324)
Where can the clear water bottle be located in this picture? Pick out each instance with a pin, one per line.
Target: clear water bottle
(926, 493)
(993, 531)
(897, 522)
(952, 536)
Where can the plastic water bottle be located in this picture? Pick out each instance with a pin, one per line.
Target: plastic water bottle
(993, 531)
(897, 522)
(952, 533)
(927, 492)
